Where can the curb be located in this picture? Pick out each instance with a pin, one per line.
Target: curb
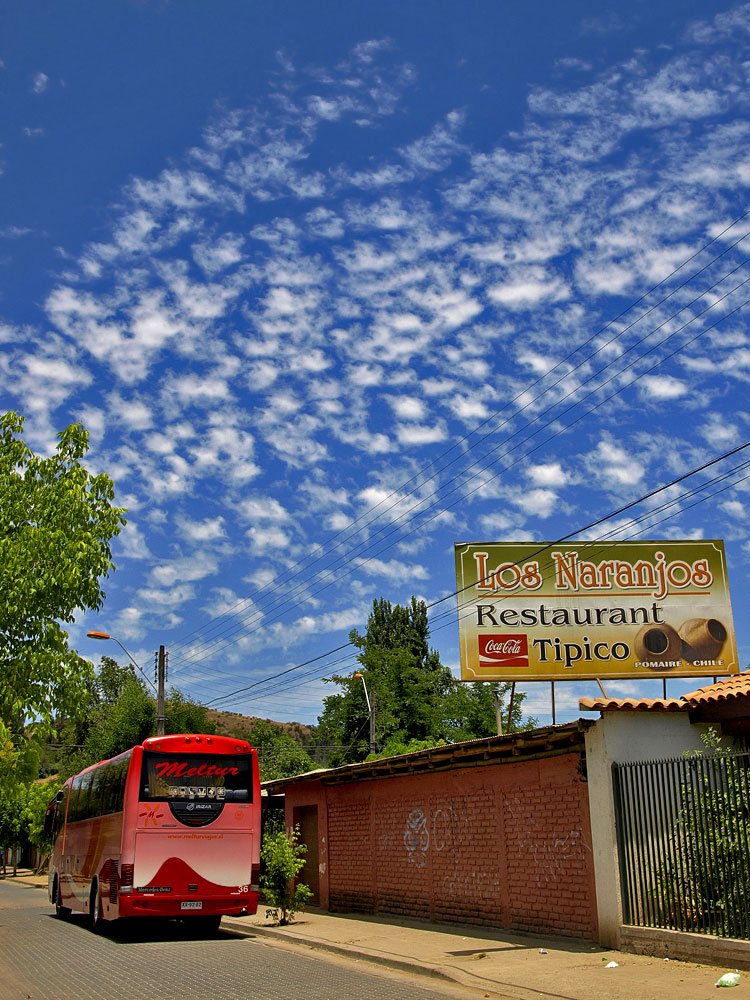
(16, 880)
(346, 951)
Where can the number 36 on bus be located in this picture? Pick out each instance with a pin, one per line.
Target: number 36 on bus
(170, 828)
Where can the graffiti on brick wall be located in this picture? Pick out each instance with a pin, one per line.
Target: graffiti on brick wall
(416, 838)
(532, 840)
(452, 826)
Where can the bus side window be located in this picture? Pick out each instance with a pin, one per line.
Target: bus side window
(83, 806)
(61, 801)
(50, 820)
(95, 793)
(75, 794)
(110, 789)
(119, 786)
(105, 789)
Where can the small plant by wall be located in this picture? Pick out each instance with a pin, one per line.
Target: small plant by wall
(282, 856)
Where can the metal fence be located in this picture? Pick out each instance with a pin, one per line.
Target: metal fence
(683, 843)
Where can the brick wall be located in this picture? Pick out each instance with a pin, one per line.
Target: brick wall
(505, 845)
(350, 879)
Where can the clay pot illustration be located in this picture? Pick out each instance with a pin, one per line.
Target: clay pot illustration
(702, 638)
(658, 643)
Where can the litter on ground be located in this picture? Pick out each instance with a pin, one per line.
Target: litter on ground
(728, 979)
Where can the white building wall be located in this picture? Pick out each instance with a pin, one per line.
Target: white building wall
(620, 737)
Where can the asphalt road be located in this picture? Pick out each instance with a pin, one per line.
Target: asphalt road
(43, 958)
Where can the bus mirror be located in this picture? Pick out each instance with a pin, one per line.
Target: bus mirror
(59, 797)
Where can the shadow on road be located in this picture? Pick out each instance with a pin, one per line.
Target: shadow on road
(153, 929)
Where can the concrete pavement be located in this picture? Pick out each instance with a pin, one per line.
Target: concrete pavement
(492, 962)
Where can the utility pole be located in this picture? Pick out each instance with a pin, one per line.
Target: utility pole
(498, 712)
(161, 669)
(371, 710)
(373, 747)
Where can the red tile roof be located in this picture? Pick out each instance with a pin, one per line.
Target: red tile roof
(736, 686)
(724, 690)
(632, 705)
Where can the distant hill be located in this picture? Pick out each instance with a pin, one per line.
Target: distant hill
(234, 724)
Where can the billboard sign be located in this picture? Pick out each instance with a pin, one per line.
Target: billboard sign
(587, 610)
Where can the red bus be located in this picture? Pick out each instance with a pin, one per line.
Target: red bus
(170, 828)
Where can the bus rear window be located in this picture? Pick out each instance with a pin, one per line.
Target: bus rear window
(175, 777)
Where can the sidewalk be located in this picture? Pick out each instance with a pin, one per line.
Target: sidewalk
(494, 962)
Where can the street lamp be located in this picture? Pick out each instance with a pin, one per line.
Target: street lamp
(160, 719)
(372, 714)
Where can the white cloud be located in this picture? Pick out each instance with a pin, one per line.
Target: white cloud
(263, 508)
(184, 570)
(407, 407)
(171, 596)
(224, 600)
(548, 474)
(228, 330)
(420, 434)
(187, 390)
(468, 409)
(720, 433)
(268, 537)
(393, 569)
(538, 502)
(207, 530)
(132, 542)
(615, 465)
(661, 387)
(39, 83)
(735, 509)
(524, 293)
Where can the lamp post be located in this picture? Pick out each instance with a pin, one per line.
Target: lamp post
(372, 714)
(160, 719)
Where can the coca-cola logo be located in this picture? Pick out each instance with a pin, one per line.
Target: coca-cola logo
(503, 651)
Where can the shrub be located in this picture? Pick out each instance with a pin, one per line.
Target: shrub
(282, 857)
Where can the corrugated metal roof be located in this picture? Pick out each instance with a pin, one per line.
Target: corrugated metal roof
(736, 686)
(524, 745)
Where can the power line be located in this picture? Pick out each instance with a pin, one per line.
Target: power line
(232, 613)
(648, 523)
(542, 548)
(528, 437)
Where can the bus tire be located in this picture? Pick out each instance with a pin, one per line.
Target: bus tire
(95, 908)
(61, 912)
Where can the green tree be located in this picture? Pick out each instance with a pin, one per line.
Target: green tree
(113, 727)
(702, 881)
(469, 711)
(415, 699)
(282, 858)
(22, 811)
(405, 680)
(183, 715)
(119, 713)
(279, 754)
(57, 521)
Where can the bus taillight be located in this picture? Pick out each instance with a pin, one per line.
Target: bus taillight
(126, 878)
(254, 877)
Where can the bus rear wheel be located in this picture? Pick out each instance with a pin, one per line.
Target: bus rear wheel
(95, 908)
(62, 912)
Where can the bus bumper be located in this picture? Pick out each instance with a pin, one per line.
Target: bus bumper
(147, 905)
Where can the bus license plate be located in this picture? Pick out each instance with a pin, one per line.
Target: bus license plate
(193, 904)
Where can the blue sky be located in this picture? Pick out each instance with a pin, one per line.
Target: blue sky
(334, 286)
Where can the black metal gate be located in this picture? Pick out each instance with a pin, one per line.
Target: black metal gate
(683, 843)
